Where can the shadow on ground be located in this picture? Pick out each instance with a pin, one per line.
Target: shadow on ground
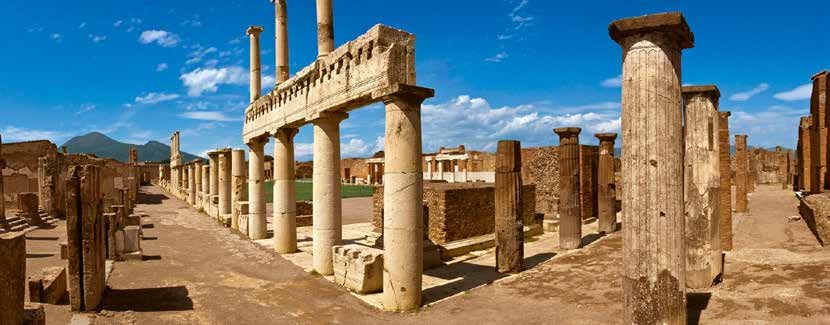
(147, 198)
(148, 299)
(696, 302)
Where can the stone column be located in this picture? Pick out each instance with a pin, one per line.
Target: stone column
(205, 187)
(256, 66)
(725, 166)
(197, 174)
(441, 170)
(2, 193)
(191, 184)
(654, 279)
(429, 168)
(285, 193)
(327, 213)
(257, 223)
(508, 203)
(224, 184)
(819, 104)
(281, 33)
(606, 187)
(741, 174)
(13, 273)
(702, 185)
(570, 223)
(806, 161)
(239, 184)
(403, 188)
(214, 184)
(466, 168)
(455, 170)
(325, 27)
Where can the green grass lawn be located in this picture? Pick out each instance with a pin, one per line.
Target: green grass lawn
(304, 191)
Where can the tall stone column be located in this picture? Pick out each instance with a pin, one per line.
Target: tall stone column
(654, 289)
(606, 187)
(702, 185)
(197, 174)
(326, 213)
(741, 174)
(441, 170)
(570, 223)
(325, 27)
(806, 163)
(725, 166)
(429, 168)
(819, 104)
(257, 223)
(285, 193)
(224, 184)
(403, 202)
(256, 65)
(213, 209)
(205, 187)
(508, 203)
(191, 184)
(239, 185)
(281, 33)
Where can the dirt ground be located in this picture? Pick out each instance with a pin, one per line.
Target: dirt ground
(197, 272)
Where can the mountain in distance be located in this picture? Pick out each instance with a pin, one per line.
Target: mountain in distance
(103, 146)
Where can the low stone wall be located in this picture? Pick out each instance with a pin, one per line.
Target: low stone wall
(458, 211)
(22, 164)
(815, 210)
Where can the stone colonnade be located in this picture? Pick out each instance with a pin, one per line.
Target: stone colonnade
(570, 221)
(606, 187)
(457, 165)
(653, 281)
(375, 174)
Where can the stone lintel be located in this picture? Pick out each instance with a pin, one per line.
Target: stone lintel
(399, 90)
(710, 91)
(672, 23)
(567, 132)
(220, 151)
(823, 73)
(329, 115)
(254, 30)
(606, 136)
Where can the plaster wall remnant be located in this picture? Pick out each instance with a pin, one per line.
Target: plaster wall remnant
(654, 289)
(570, 221)
(702, 185)
(741, 174)
(725, 166)
(509, 226)
(607, 196)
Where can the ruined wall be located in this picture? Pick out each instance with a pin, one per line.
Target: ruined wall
(149, 173)
(304, 170)
(22, 163)
(588, 187)
(540, 166)
(357, 167)
(458, 211)
(766, 166)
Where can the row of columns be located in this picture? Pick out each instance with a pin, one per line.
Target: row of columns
(458, 167)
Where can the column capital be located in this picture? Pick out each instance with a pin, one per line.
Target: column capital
(254, 30)
(672, 24)
(567, 132)
(741, 136)
(606, 137)
(403, 91)
(708, 91)
(821, 74)
(287, 131)
(257, 141)
(725, 113)
(327, 115)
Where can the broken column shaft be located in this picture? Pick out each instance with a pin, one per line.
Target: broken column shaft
(326, 212)
(281, 33)
(13, 273)
(256, 65)
(325, 27)
(570, 223)
(239, 186)
(741, 174)
(257, 227)
(508, 204)
(606, 187)
(725, 166)
(285, 207)
(654, 289)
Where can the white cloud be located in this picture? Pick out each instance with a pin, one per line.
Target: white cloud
(118, 23)
(520, 20)
(155, 98)
(56, 36)
(161, 67)
(268, 82)
(746, 95)
(194, 22)
(200, 129)
(198, 54)
(161, 37)
(615, 82)
(354, 148)
(20, 134)
(498, 57)
(799, 93)
(303, 150)
(97, 38)
(473, 122)
(208, 116)
(82, 25)
(773, 126)
(208, 79)
(84, 108)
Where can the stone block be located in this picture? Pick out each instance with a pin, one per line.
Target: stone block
(815, 210)
(358, 268)
(34, 314)
(48, 286)
(132, 239)
(64, 250)
(305, 221)
(12, 277)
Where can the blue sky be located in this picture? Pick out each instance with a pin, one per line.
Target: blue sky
(502, 69)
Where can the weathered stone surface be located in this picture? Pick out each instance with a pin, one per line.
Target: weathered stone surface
(818, 146)
(741, 174)
(34, 314)
(607, 191)
(358, 268)
(48, 286)
(725, 167)
(239, 184)
(286, 209)
(803, 154)
(132, 239)
(327, 228)
(815, 210)
(12, 277)
(85, 238)
(27, 205)
(654, 290)
(508, 208)
(570, 224)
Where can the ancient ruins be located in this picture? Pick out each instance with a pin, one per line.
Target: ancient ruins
(650, 234)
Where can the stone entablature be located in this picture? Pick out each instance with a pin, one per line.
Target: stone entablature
(355, 74)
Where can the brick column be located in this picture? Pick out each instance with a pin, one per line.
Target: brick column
(606, 187)
(741, 174)
(508, 203)
(654, 289)
(725, 165)
(818, 138)
(570, 223)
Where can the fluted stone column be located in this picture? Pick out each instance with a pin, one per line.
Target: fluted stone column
(213, 209)
(570, 223)
(326, 213)
(403, 189)
(191, 184)
(257, 223)
(725, 165)
(197, 175)
(654, 290)
(325, 27)
(205, 187)
(741, 174)
(285, 193)
(606, 187)
(239, 184)
(256, 65)
(702, 185)
(509, 225)
(281, 35)
(224, 184)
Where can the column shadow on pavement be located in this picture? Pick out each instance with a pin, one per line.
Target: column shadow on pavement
(148, 299)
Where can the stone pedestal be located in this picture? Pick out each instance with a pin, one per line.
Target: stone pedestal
(725, 166)
(741, 174)
(257, 227)
(654, 279)
(508, 202)
(570, 223)
(358, 268)
(702, 186)
(327, 228)
(13, 273)
(239, 184)
(607, 196)
(285, 197)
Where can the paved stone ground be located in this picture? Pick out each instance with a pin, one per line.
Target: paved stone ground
(198, 272)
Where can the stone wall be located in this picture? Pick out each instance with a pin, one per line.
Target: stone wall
(149, 173)
(540, 166)
(357, 167)
(22, 163)
(588, 173)
(458, 211)
(766, 165)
